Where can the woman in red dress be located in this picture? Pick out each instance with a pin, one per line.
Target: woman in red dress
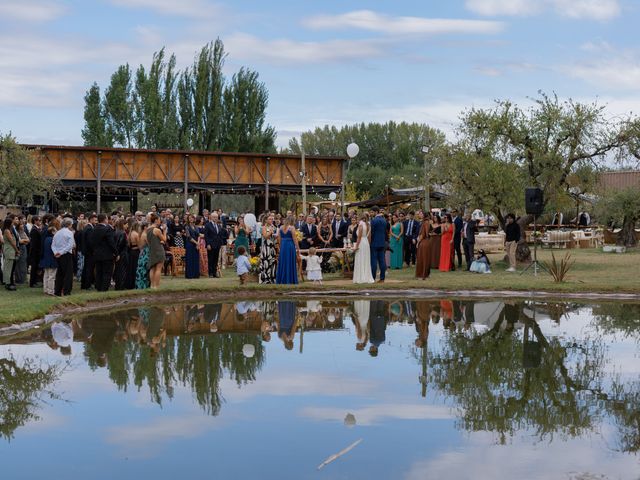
(446, 245)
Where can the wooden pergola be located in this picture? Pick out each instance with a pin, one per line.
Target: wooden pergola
(259, 174)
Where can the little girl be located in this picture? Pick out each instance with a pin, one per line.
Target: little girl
(481, 264)
(314, 270)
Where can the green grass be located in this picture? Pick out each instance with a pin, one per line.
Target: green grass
(593, 271)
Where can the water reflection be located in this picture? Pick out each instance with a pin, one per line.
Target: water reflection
(499, 363)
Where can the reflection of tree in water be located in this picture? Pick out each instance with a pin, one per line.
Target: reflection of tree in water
(24, 387)
(195, 361)
(506, 382)
(618, 317)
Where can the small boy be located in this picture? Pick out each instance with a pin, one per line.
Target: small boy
(242, 265)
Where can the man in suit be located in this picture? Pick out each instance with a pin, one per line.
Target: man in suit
(300, 222)
(309, 234)
(340, 230)
(215, 238)
(411, 231)
(35, 252)
(377, 326)
(88, 271)
(103, 246)
(458, 223)
(378, 244)
(469, 239)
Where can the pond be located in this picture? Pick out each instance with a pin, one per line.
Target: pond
(328, 388)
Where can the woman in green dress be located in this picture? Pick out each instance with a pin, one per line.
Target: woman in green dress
(242, 232)
(396, 239)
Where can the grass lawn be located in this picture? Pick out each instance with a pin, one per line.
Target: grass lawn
(593, 271)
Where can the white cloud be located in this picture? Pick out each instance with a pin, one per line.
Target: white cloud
(184, 8)
(283, 51)
(609, 72)
(376, 413)
(30, 10)
(145, 439)
(578, 9)
(482, 459)
(376, 22)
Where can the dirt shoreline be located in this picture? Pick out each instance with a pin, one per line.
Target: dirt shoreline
(207, 296)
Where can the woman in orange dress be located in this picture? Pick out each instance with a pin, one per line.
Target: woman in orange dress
(423, 257)
(446, 245)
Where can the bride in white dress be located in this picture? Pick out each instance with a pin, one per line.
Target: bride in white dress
(362, 264)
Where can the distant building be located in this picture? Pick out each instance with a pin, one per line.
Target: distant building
(620, 179)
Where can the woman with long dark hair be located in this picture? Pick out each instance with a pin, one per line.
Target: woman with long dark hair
(192, 257)
(122, 255)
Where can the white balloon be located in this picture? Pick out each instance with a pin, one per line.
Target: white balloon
(250, 220)
(248, 350)
(189, 202)
(332, 196)
(353, 149)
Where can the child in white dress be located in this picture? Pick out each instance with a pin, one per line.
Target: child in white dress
(314, 270)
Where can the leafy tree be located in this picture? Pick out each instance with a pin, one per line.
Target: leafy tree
(549, 143)
(94, 132)
(200, 92)
(245, 102)
(156, 104)
(621, 208)
(390, 153)
(163, 108)
(18, 177)
(118, 107)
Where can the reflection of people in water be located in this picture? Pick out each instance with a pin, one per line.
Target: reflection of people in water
(423, 314)
(156, 333)
(511, 314)
(395, 311)
(446, 312)
(287, 323)
(410, 311)
(361, 321)
(102, 334)
(377, 326)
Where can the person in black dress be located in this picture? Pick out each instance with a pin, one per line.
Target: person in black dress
(122, 255)
(192, 235)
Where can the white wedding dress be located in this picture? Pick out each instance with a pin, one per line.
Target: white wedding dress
(362, 263)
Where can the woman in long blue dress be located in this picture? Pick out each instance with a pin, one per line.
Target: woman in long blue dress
(192, 260)
(287, 272)
(142, 272)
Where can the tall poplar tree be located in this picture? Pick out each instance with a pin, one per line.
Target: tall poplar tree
(94, 132)
(118, 107)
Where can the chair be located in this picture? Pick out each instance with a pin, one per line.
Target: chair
(177, 262)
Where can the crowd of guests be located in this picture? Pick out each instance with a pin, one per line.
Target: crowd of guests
(131, 250)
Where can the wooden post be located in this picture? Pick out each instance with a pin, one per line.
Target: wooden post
(344, 179)
(303, 174)
(99, 184)
(266, 187)
(186, 182)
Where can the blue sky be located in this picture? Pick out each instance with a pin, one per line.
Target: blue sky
(330, 62)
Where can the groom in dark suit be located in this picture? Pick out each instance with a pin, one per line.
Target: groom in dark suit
(378, 243)
(469, 239)
(411, 231)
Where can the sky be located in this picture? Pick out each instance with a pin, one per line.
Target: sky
(330, 62)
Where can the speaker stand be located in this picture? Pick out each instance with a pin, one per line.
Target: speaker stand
(535, 264)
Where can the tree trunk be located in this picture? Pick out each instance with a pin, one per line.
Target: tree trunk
(627, 236)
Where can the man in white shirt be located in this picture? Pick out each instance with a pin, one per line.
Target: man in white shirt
(63, 246)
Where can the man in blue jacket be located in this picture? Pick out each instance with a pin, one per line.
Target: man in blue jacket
(378, 243)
